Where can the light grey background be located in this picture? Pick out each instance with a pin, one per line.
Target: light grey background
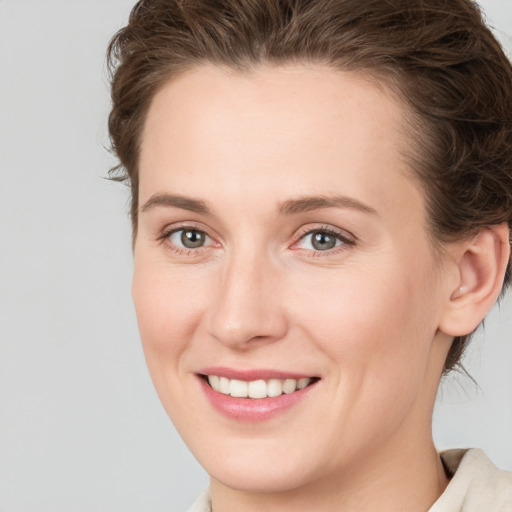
(80, 426)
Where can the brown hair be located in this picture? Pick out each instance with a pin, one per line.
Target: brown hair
(437, 55)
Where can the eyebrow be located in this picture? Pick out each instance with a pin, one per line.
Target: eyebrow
(290, 207)
(310, 203)
(175, 201)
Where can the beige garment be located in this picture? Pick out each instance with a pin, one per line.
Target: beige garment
(476, 486)
(203, 503)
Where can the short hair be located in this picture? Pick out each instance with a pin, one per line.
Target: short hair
(436, 56)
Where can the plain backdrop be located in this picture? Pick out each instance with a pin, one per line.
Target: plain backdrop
(81, 428)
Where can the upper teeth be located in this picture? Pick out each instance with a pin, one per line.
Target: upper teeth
(256, 388)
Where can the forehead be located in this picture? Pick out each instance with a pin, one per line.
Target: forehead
(311, 96)
(308, 127)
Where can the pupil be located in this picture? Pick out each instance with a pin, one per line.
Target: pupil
(192, 239)
(323, 241)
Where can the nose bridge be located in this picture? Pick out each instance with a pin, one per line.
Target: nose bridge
(247, 306)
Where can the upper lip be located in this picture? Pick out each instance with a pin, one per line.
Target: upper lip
(252, 374)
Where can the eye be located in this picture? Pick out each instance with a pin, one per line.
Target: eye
(189, 238)
(322, 240)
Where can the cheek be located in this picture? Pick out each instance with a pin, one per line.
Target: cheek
(168, 308)
(376, 332)
(377, 320)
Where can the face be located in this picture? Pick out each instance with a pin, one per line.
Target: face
(286, 290)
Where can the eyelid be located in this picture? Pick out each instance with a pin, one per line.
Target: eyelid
(188, 224)
(344, 236)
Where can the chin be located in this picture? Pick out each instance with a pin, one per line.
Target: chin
(258, 477)
(257, 466)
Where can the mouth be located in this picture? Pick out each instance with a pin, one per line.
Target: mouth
(254, 395)
(257, 389)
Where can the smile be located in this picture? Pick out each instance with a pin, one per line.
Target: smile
(254, 395)
(257, 389)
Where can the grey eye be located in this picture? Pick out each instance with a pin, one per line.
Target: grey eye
(323, 241)
(320, 241)
(189, 238)
(192, 239)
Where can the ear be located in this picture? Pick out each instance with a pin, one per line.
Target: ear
(481, 263)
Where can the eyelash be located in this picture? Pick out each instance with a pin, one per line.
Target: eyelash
(183, 251)
(343, 237)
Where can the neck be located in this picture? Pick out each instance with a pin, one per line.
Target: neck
(404, 478)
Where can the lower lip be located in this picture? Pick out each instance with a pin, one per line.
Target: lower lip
(253, 409)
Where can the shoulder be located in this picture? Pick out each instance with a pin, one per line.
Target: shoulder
(476, 484)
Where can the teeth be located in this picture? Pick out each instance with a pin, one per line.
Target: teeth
(256, 388)
(238, 388)
(289, 386)
(303, 383)
(223, 385)
(274, 387)
(214, 381)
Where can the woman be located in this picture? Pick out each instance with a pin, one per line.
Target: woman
(321, 203)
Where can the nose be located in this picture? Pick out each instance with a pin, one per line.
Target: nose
(247, 310)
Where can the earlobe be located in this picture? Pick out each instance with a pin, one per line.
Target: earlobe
(481, 264)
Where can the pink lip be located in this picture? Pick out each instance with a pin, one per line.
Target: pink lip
(248, 409)
(249, 375)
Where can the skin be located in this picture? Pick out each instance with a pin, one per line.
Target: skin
(365, 317)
